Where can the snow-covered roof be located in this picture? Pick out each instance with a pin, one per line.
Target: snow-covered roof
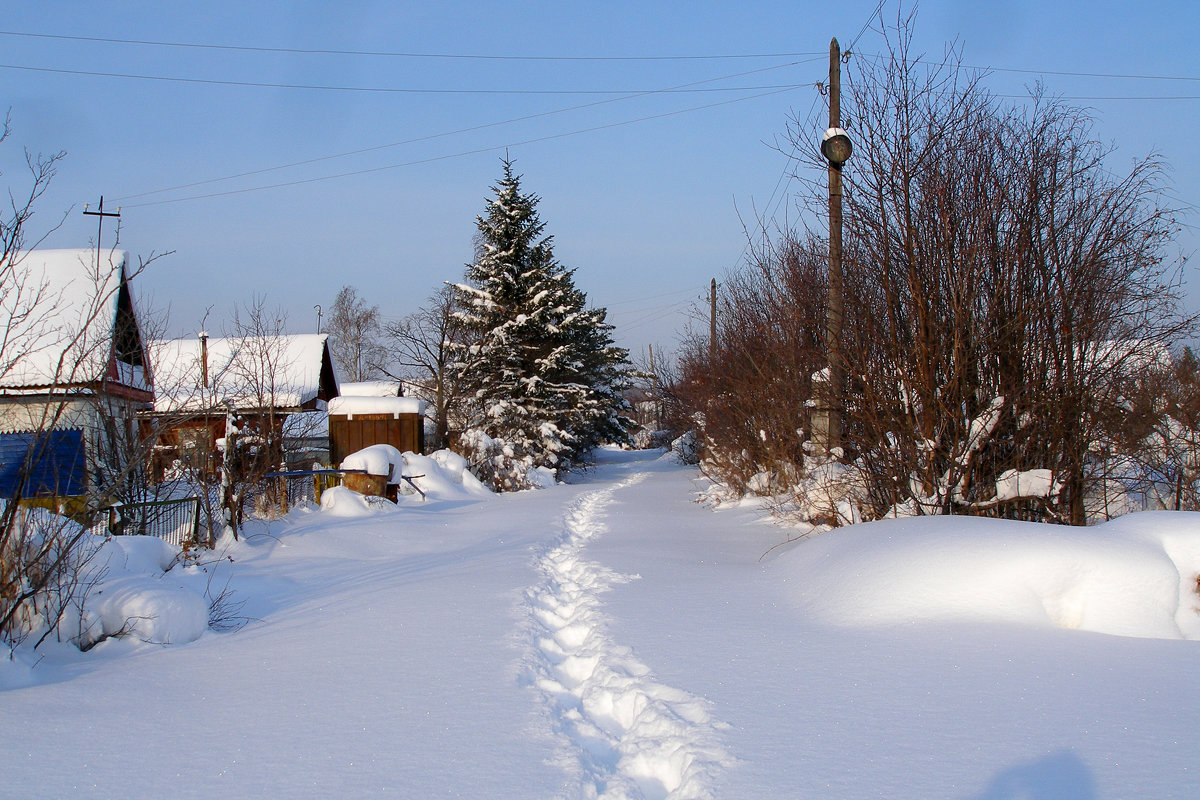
(350, 406)
(371, 388)
(251, 372)
(59, 313)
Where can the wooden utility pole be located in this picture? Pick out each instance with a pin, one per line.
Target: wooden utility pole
(655, 390)
(101, 213)
(712, 321)
(833, 325)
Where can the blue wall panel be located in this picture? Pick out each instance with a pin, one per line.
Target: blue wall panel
(58, 465)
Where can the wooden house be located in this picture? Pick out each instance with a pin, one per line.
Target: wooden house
(272, 385)
(74, 372)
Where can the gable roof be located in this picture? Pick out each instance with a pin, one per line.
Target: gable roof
(68, 321)
(251, 372)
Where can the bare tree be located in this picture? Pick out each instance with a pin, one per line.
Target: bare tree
(420, 349)
(749, 388)
(26, 301)
(60, 352)
(254, 422)
(354, 330)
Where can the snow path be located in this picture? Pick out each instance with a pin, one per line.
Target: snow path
(628, 736)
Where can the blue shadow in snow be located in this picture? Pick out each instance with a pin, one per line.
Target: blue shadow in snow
(1058, 776)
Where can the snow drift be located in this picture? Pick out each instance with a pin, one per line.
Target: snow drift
(1135, 576)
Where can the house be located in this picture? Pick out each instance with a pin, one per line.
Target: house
(73, 372)
(275, 387)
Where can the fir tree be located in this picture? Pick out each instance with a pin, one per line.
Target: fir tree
(546, 378)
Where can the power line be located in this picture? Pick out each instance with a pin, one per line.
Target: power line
(644, 299)
(1104, 97)
(1107, 75)
(863, 29)
(393, 54)
(1055, 72)
(444, 134)
(368, 89)
(476, 151)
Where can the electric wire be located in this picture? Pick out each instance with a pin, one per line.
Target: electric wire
(476, 151)
(648, 297)
(366, 89)
(475, 56)
(431, 137)
(393, 54)
(865, 26)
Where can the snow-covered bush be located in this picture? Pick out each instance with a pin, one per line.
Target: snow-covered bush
(105, 587)
(497, 467)
(686, 448)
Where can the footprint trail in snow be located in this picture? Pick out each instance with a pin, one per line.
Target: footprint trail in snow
(628, 736)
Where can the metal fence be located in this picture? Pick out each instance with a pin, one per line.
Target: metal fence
(173, 521)
(281, 491)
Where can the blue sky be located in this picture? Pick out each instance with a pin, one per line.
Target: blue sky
(642, 194)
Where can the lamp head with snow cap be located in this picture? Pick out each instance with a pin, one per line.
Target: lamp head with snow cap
(835, 146)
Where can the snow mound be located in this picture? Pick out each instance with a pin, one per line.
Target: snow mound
(134, 587)
(378, 459)
(339, 501)
(443, 476)
(144, 607)
(1136, 576)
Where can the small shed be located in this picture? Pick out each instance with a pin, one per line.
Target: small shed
(359, 422)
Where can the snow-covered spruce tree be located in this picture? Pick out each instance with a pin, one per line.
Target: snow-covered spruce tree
(541, 370)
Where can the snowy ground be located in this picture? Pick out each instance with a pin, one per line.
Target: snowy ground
(615, 638)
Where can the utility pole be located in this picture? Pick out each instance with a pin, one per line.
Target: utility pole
(318, 308)
(835, 146)
(712, 321)
(654, 388)
(101, 213)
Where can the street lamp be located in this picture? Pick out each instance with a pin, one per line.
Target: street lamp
(835, 146)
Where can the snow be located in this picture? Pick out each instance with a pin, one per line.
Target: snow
(339, 501)
(611, 638)
(377, 459)
(1013, 484)
(1115, 578)
(351, 405)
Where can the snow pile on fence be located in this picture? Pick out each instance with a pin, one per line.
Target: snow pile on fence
(1135, 576)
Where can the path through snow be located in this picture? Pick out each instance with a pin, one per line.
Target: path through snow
(627, 735)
